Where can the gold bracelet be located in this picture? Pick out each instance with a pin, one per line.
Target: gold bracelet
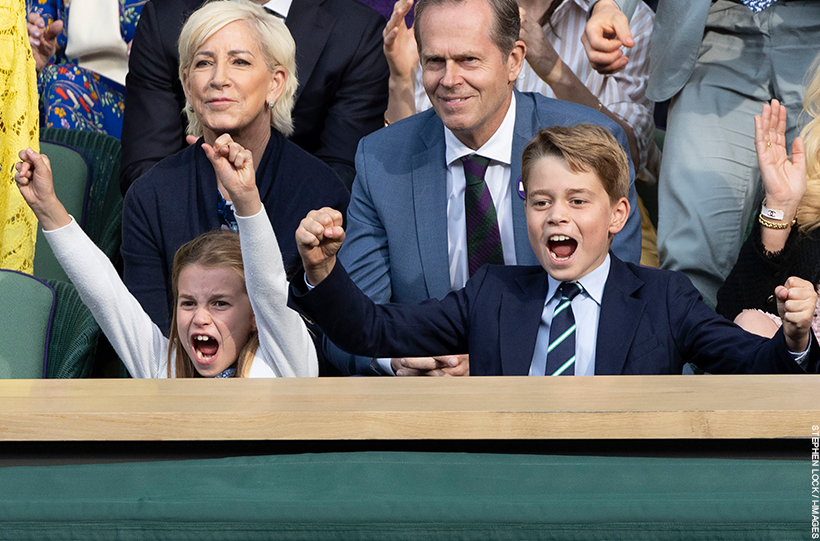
(765, 222)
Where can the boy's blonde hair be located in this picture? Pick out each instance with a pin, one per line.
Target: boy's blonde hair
(218, 248)
(585, 148)
(275, 41)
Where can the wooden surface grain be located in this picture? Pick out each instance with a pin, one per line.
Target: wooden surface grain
(600, 407)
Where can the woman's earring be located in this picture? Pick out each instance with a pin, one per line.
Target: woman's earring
(190, 108)
(271, 104)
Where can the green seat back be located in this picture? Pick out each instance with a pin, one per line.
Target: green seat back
(26, 309)
(74, 335)
(103, 212)
(71, 184)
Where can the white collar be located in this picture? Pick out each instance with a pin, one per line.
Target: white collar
(498, 148)
(593, 282)
(282, 7)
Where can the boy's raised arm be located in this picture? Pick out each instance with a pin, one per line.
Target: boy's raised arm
(796, 300)
(318, 238)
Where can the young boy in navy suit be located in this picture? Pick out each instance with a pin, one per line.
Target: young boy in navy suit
(589, 313)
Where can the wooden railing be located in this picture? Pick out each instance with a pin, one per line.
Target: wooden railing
(600, 407)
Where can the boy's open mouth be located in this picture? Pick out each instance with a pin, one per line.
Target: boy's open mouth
(204, 346)
(561, 247)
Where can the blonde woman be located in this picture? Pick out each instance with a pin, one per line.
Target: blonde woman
(786, 240)
(238, 70)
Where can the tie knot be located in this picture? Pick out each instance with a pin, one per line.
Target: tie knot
(570, 290)
(475, 167)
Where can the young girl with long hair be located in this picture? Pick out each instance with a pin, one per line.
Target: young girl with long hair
(230, 314)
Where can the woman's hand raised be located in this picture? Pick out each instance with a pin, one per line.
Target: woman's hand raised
(235, 173)
(784, 179)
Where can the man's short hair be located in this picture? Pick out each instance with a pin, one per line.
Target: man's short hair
(585, 148)
(506, 22)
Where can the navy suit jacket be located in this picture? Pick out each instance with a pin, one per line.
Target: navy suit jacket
(652, 322)
(396, 244)
(342, 75)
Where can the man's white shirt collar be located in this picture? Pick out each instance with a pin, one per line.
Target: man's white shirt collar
(282, 7)
(498, 148)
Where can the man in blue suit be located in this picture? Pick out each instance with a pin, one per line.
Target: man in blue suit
(406, 220)
(589, 313)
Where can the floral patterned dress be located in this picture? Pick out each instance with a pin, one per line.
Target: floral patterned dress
(75, 97)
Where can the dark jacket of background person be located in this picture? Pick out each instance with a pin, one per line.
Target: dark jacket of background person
(755, 276)
(342, 74)
(177, 201)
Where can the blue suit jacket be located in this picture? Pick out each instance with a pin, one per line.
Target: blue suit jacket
(396, 244)
(652, 322)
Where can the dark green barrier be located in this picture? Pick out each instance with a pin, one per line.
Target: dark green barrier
(411, 496)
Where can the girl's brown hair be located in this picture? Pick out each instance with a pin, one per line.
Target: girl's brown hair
(213, 249)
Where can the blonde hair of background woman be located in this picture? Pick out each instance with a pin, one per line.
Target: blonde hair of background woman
(808, 213)
(274, 40)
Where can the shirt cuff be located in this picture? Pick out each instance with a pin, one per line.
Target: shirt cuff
(384, 363)
(802, 359)
(73, 221)
(249, 217)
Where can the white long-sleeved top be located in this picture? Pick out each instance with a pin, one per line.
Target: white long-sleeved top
(285, 347)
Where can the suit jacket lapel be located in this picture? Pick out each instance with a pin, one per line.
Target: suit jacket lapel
(618, 322)
(522, 134)
(520, 317)
(310, 25)
(428, 172)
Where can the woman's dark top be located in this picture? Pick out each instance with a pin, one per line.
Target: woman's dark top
(755, 276)
(177, 200)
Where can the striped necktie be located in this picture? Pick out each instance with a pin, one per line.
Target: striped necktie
(561, 351)
(483, 237)
(758, 5)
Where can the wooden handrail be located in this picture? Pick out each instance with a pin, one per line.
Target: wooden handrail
(600, 407)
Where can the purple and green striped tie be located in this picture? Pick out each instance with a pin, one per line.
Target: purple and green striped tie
(483, 237)
(561, 351)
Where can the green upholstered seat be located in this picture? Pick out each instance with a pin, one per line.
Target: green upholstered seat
(26, 309)
(103, 213)
(71, 184)
(45, 329)
(413, 497)
(74, 335)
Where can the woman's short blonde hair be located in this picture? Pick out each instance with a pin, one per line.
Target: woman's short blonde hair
(274, 40)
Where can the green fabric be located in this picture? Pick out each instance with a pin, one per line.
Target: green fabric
(74, 335)
(70, 181)
(25, 308)
(104, 210)
(410, 496)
